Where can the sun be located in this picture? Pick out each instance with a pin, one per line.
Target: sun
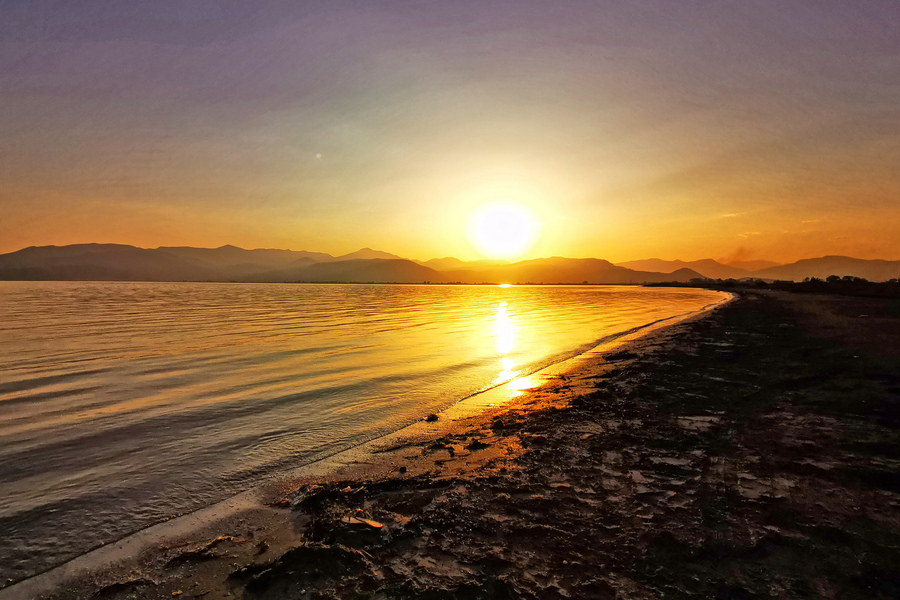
(503, 229)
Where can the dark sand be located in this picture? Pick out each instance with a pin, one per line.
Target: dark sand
(752, 453)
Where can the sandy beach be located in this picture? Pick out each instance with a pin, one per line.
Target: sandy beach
(752, 452)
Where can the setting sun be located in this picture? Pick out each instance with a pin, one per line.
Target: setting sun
(503, 229)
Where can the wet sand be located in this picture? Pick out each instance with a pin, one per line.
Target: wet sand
(754, 452)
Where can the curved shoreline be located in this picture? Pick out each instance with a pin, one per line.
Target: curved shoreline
(112, 561)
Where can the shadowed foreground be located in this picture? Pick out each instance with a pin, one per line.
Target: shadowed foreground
(751, 453)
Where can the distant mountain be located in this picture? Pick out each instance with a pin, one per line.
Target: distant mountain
(368, 254)
(708, 267)
(555, 270)
(232, 255)
(230, 263)
(752, 265)
(101, 262)
(566, 270)
(116, 262)
(873, 270)
(378, 270)
(454, 264)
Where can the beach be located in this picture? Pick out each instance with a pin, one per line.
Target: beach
(750, 452)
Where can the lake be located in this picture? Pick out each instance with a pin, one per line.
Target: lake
(123, 404)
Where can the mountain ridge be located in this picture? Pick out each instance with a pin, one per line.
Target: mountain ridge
(708, 267)
(122, 262)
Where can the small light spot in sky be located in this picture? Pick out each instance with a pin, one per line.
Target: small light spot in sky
(318, 155)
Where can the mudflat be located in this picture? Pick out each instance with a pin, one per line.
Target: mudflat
(753, 452)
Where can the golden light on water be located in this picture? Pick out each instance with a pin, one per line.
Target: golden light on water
(505, 335)
(503, 229)
(504, 331)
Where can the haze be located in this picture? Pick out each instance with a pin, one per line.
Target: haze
(765, 130)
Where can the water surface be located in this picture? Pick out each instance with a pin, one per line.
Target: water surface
(122, 404)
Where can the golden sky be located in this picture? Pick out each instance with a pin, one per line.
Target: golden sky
(629, 130)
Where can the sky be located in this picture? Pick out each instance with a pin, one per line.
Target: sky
(691, 129)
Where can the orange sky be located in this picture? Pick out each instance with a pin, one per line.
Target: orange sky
(686, 130)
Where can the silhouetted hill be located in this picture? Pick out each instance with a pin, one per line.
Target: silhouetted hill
(707, 267)
(873, 270)
(377, 270)
(100, 262)
(752, 265)
(118, 262)
(230, 263)
(566, 270)
(368, 254)
(454, 264)
(231, 256)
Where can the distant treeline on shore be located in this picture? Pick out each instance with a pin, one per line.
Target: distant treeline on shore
(834, 284)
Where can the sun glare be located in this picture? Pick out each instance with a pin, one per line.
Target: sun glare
(503, 229)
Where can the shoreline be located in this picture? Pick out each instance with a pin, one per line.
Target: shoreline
(115, 559)
(751, 452)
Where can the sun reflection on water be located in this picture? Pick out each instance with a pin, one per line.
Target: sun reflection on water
(505, 335)
(504, 331)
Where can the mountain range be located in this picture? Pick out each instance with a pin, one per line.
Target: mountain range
(873, 270)
(116, 262)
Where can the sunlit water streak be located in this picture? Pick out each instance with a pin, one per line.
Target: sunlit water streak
(122, 404)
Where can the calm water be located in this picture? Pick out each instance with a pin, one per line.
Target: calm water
(122, 404)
